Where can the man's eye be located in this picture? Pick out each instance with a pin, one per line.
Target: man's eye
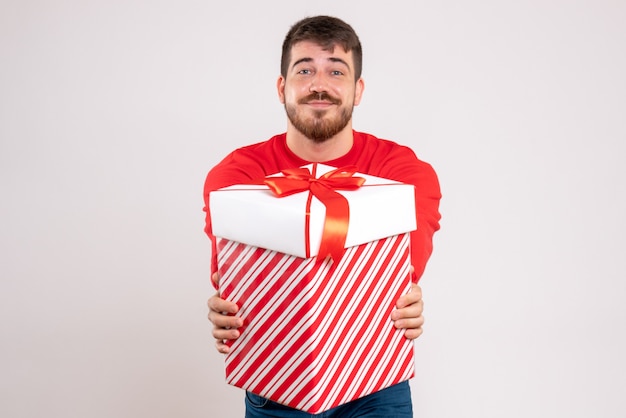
(305, 72)
(337, 72)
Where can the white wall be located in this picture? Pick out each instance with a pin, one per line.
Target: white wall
(112, 112)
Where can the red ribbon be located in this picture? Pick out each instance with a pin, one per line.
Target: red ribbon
(298, 180)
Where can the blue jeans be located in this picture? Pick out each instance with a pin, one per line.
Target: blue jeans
(392, 402)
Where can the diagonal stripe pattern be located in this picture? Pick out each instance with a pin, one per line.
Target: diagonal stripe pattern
(317, 334)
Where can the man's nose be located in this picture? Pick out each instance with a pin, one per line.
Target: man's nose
(319, 83)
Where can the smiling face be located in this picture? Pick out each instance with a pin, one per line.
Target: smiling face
(319, 90)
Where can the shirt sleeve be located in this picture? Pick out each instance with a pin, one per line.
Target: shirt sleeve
(234, 169)
(402, 165)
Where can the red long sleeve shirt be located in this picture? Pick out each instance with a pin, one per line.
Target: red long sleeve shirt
(370, 155)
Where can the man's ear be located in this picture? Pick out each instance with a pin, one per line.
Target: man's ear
(358, 91)
(280, 87)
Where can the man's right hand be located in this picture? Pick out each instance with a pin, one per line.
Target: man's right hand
(222, 314)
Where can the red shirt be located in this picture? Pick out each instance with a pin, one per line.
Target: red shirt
(370, 155)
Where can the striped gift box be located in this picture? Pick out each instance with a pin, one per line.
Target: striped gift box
(317, 334)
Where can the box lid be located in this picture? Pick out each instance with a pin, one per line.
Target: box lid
(253, 215)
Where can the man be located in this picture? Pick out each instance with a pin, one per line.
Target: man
(319, 85)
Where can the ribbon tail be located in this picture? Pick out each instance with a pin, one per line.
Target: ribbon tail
(335, 227)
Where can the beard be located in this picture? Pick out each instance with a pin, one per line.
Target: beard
(318, 128)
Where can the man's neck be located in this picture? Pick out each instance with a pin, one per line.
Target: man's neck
(312, 151)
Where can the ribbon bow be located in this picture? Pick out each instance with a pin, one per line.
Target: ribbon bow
(298, 180)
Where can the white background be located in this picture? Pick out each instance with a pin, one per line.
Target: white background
(112, 112)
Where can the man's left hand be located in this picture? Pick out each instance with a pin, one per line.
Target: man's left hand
(408, 313)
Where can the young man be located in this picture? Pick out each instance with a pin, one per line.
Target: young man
(319, 85)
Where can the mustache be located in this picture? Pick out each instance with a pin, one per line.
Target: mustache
(320, 96)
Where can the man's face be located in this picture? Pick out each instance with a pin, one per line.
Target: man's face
(319, 91)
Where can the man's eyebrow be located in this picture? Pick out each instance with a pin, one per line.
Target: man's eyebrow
(333, 59)
(300, 61)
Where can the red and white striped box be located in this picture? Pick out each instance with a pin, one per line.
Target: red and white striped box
(317, 336)
(317, 333)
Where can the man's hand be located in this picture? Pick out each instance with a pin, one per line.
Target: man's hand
(408, 313)
(222, 314)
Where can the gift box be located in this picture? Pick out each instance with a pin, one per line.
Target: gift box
(317, 331)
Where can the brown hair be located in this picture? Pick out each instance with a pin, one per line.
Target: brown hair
(326, 31)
